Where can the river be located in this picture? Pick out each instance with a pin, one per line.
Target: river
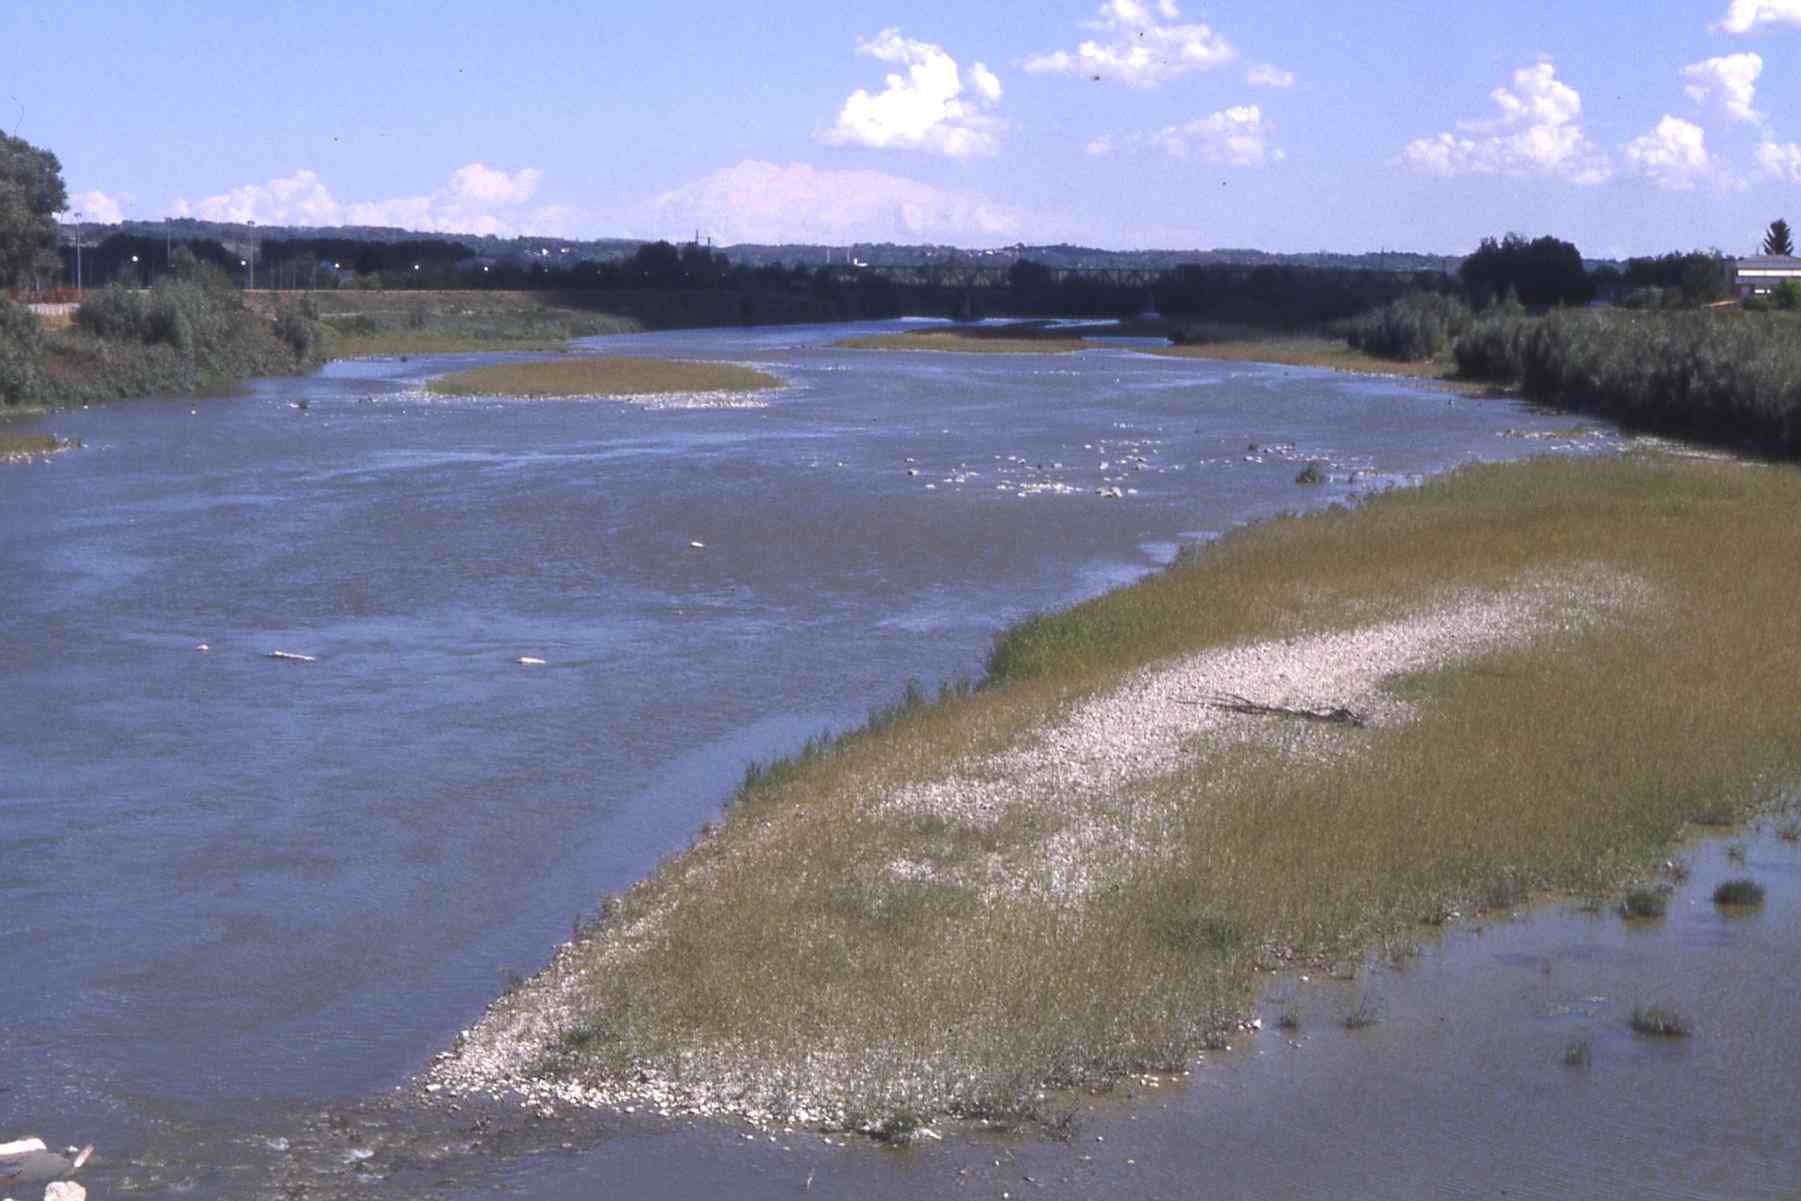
(237, 890)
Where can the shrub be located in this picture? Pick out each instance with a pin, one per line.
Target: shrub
(1644, 902)
(1313, 473)
(1419, 325)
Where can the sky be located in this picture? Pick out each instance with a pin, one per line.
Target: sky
(1625, 126)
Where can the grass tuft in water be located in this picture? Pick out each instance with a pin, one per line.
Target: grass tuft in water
(1645, 903)
(1661, 1022)
(1577, 1053)
(1738, 892)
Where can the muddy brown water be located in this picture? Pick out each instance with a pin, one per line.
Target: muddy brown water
(245, 899)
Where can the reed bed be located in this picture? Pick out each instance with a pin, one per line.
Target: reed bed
(603, 376)
(1560, 665)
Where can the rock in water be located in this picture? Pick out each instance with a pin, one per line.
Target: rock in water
(65, 1190)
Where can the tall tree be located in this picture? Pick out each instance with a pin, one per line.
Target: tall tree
(31, 194)
(1777, 241)
(1542, 272)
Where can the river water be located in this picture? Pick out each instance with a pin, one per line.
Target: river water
(238, 890)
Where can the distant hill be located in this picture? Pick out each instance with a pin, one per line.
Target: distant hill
(527, 248)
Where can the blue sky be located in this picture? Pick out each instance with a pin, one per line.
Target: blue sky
(1627, 127)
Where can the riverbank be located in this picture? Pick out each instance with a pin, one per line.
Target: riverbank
(1312, 740)
(1330, 354)
(27, 448)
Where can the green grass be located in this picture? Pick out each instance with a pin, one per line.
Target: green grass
(1738, 892)
(874, 960)
(602, 376)
(1577, 1053)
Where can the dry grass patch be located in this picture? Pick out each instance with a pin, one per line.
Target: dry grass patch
(1075, 873)
(23, 448)
(608, 376)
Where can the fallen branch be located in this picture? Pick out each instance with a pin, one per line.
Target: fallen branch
(1233, 703)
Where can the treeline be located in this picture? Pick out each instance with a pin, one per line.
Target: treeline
(188, 331)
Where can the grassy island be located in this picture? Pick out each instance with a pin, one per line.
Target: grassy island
(1313, 740)
(1020, 338)
(602, 376)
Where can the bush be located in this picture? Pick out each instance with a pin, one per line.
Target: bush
(1419, 325)
(19, 345)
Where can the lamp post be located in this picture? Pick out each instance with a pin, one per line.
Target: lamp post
(77, 217)
(139, 280)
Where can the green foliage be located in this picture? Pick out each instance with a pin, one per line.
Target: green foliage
(19, 349)
(1730, 378)
(1645, 902)
(1777, 240)
(1787, 295)
(1738, 892)
(31, 194)
(1419, 325)
(1542, 272)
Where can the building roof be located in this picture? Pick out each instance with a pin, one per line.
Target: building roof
(1769, 262)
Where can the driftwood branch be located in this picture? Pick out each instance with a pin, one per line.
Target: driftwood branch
(1233, 703)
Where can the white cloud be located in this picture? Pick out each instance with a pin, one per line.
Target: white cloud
(1237, 136)
(1268, 75)
(1781, 159)
(1674, 154)
(763, 202)
(1139, 48)
(1743, 16)
(476, 199)
(1099, 146)
(1730, 81)
(924, 109)
(1539, 132)
(97, 207)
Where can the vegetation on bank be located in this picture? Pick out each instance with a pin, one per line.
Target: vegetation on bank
(23, 448)
(189, 331)
(1730, 378)
(602, 376)
(361, 324)
(825, 950)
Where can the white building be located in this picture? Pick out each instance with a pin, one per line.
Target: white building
(1759, 275)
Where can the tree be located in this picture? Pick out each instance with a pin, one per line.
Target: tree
(31, 194)
(1543, 272)
(1777, 241)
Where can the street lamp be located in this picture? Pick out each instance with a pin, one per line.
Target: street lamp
(245, 264)
(134, 268)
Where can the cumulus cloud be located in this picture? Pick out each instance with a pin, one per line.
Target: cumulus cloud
(1268, 75)
(475, 199)
(1673, 153)
(1781, 159)
(1139, 47)
(1744, 16)
(926, 109)
(1237, 136)
(1729, 81)
(1538, 132)
(764, 202)
(97, 207)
